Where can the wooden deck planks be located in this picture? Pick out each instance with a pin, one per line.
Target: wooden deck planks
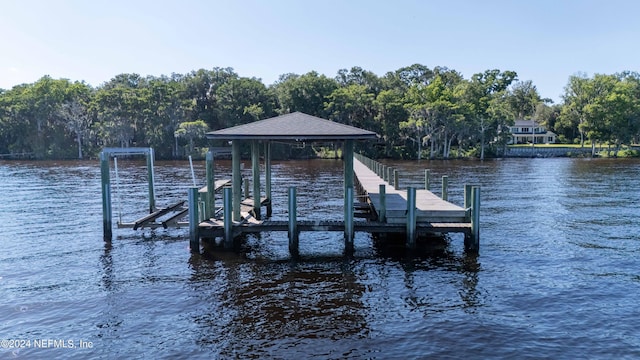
(217, 185)
(430, 207)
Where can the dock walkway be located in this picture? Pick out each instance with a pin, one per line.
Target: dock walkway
(429, 207)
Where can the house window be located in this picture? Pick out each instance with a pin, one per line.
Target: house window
(550, 139)
(525, 130)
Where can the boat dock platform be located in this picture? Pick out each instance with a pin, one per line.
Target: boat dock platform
(384, 208)
(369, 190)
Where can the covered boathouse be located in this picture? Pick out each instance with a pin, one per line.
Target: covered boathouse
(295, 127)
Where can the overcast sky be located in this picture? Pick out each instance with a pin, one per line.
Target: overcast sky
(94, 40)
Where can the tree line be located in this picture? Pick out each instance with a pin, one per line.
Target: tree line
(417, 111)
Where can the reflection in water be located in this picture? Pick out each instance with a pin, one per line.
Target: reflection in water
(277, 304)
(110, 319)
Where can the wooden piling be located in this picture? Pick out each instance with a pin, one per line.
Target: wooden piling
(427, 179)
(106, 197)
(194, 239)
(227, 195)
(467, 202)
(348, 221)
(246, 193)
(348, 194)
(445, 187)
(152, 197)
(255, 172)
(396, 179)
(267, 176)
(382, 213)
(236, 179)
(293, 222)
(210, 198)
(411, 218)
(472, 242)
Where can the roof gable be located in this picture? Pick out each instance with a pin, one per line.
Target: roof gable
(295, 126)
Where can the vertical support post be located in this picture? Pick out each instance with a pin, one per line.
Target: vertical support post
(348, 194)
(348, 221)
(382, 214)
(389, 175)
(411, 217)
(247, 194)
(194, 238)
(445, 187)
(427, 179)
(210, 199)
(472, 242)
(396, 180)
(255, 172)
(267, 176)
(236, 179)
(348, 164)
(293, 222)
(107, 230)
(227, 210)
(152, 197)
(384, 173)
(467, 202)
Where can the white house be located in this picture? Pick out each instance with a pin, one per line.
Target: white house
(528, 131)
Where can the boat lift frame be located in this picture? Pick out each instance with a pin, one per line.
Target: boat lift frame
(105, 155)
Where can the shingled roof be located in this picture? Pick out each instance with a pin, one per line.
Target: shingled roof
(296, 126)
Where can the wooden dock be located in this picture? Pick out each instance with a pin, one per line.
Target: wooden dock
(389, 212)
(430, 209)
(381, 207)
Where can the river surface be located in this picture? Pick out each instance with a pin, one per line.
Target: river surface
(558, 274)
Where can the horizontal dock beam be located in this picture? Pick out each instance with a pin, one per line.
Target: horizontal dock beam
(213, 230)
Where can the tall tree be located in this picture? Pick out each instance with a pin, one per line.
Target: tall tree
(201, 87)
(435, 113)
(406, 76)
(390, 112)
(351, 105)
(164, 106)
(524, 99)
(44, 98)
(577, 95)
(192, 131)
(238, 100)
(358, 76)
(306, 93)
(484, 94)
(117, 109)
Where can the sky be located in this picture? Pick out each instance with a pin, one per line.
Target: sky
(545, 41)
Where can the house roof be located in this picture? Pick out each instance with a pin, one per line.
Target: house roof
(295, 126)
(522, 122)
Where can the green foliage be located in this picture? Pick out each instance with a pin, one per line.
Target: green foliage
(417, 111)
(306, 93)
(193, 132)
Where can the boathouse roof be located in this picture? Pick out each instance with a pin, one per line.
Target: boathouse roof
(295, 126)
